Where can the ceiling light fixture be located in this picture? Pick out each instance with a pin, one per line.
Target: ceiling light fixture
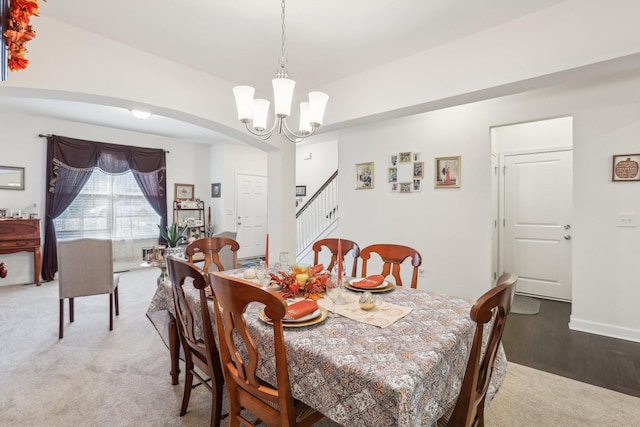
(142, 115)
(253, 112)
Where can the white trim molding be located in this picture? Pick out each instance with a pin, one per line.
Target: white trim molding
(605, 329)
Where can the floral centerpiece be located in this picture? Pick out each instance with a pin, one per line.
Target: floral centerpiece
(19, 32)
(307, 282)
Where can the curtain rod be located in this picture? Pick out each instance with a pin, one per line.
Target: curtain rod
(47, 135)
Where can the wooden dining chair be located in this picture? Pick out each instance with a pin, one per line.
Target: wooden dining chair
(199, 352)
(272, 405)
(85, 267)
(220, 252)
(494, 304)
(332, 245)
(392, 256)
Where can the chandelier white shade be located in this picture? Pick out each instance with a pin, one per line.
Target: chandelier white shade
(142, 115)
(254, 112)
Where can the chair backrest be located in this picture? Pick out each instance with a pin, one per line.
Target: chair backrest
(392, 256)
(181, 272)
(85, 267)
(232, 297)
(220, 253)
(494, 304)
(332, 245)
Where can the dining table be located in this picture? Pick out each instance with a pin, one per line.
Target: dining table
(405, 373)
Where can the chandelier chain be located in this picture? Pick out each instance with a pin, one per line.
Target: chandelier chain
(283, 88)
(282, 57)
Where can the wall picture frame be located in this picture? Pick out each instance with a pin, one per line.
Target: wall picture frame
(405, 187)
(301, 190)
(404, 157)
(11, 178)
(183, 191)
(393, 175)
(216, 189)
(625, 167)
(447, 172)
(364, 176)
(418, 169)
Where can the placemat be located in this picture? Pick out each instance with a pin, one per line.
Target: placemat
(383, 315)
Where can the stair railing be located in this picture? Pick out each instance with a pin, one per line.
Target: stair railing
(318, 214)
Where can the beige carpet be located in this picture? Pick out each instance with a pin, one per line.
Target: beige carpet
(94, 377)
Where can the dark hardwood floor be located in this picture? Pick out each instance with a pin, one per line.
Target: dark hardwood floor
(544, 341)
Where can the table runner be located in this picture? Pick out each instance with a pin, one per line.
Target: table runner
(383, 315)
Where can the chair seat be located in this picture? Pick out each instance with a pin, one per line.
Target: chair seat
(444, 420)
(302, 410)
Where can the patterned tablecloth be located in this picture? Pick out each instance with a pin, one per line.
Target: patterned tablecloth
(407, 374)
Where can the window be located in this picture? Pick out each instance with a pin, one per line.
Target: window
(109, 207)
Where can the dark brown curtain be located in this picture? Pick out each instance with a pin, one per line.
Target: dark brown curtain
(70, 163)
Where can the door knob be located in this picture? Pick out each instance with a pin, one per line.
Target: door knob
(567, 237)
(567, 226)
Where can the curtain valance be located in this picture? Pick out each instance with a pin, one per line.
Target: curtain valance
(111, 158)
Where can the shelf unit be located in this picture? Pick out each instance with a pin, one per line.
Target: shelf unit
(191, 213)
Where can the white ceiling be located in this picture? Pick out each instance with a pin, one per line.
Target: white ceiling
(239, 41)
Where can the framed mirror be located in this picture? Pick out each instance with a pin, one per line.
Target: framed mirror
(11, 178)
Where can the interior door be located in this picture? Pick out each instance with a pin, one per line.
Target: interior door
(537, 222)
(251, 214)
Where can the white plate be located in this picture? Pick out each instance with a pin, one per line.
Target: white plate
(304, 318)
(352, 282)
(321, 318)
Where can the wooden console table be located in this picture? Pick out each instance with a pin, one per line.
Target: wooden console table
(22, 235)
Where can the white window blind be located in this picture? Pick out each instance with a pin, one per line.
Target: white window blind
(108, 207)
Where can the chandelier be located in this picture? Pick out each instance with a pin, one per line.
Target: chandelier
(253, 112)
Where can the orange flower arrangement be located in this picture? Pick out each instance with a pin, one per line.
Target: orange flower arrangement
(19, 31)
(309, 282)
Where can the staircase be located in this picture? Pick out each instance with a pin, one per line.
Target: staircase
(318, 216)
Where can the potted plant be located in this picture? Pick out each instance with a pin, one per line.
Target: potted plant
(173, 235)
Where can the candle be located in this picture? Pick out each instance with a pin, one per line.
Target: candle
(266, 251)
(339, 261)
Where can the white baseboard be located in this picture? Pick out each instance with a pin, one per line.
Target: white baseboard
(605, 329)
(17, 280)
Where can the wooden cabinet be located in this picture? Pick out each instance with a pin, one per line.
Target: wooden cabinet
(22, 235)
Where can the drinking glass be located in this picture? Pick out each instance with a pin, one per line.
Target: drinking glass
(262, 274)
(333, 292)
(340, 300)
(284, 260)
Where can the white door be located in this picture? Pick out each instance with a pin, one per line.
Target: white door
(251, 215)
(537, 222)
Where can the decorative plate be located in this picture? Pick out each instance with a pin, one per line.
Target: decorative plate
(319, 318)
(384, 287)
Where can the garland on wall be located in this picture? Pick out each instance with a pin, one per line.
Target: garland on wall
(19, 31)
